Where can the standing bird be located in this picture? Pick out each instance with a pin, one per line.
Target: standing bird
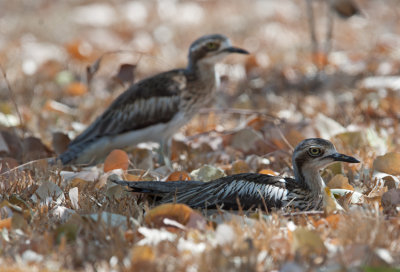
(251, 190)
(154, 108)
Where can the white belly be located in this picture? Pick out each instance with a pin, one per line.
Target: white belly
(99, 149)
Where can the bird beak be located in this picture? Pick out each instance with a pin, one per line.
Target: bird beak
(235, 50)
(343, 158)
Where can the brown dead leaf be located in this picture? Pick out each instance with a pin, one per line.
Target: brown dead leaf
(391, 201)
(320, 59)
(34, 149)
(129, 235)
(10, 145)
(76, 89)
(142, 258)
(5, 223)
(125, 74)
(7, 164)
(178, 175)
(256, 122)
(268, 172)
(60, 142)
(331, 220)
(340, 182)
(180, 213)
(79, 50)
(238, 167)
(388, 163)
(307, 242)
(330, 203)
(117, 159)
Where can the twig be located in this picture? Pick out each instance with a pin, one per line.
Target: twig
(311, 24)
(11, 94)
(329, 29)
(239, 111)
(303, 213)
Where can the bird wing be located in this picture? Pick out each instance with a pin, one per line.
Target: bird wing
(251, 190)
(157, 187)
(150, 101)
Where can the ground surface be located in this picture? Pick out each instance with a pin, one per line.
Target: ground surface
(69, 219)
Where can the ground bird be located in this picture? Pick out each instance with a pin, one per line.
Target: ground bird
(251, 190)
(154, 108)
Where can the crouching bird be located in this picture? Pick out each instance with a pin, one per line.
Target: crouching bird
(154, 108)
(252, 190)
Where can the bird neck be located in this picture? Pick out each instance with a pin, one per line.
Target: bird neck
(309, 178)
(201, 70)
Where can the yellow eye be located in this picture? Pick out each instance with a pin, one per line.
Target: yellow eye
(314, 151)
(212, 46)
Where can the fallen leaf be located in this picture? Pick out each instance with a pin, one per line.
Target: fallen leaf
(331, 221)
(142, 258)
(245, 139)
(207, 173)
(330, 203)
(6, 223)
(60, 142)
(388, 163)
(34, 149)
(48, 192)
(80, 50)
(7, 164)
(76, 89)
(126, 74)
(57, 107)
(178, 212)
(268, 172)
(307, 242)
(178, 175)
(117, 159)
(340, 182)
(238, 167)
(391, 201)
(74, 197)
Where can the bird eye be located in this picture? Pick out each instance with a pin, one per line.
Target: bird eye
(314, 151)
(212, 46)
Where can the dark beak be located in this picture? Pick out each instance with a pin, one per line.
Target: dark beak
(235, 50)
(343, 158)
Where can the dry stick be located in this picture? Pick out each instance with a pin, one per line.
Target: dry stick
(302, 213)
(239, 111)
(11, 94)
(311, 24)
(329, 29)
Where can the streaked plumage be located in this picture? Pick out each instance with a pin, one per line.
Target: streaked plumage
(252, 190)
(154, 108)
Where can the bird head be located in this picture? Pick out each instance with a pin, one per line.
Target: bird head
(315, 153)
(211, 48)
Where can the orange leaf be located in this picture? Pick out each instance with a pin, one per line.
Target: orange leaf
(6, 223)
(76, 89)
(331, 220)
(142, 256)
(129, 235)
(117, 159)
(340, 182)
(268, 172)
(178, 175)
(180, 213)
(80, 50)
(256, 123)
(320, 59)
(238, 167)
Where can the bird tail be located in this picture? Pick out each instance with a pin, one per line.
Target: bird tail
(155, 187)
